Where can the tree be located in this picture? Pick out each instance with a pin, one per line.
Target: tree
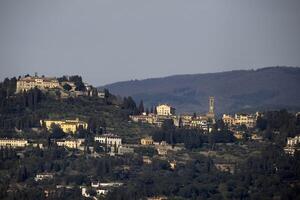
(141, 107)
(57, 132)
(67, 87)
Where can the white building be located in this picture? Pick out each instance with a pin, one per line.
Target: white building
(165, 110)
(70, 143)
(293, 141)
(291, 145)
(109, 139)
(43, 176)
(6, 142)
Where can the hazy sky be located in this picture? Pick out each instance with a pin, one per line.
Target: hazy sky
(107, 41)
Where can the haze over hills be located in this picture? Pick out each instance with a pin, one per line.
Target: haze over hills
(234, 91)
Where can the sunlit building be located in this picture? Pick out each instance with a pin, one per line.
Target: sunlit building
(67, 125)
(165, 110)
(109, 139)
(14, 143)
(42, 83)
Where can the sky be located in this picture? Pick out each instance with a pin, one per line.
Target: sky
(106, 41)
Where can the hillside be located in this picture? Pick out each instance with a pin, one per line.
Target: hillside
(242, 90)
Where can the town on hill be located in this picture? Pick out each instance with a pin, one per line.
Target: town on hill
(62, 138)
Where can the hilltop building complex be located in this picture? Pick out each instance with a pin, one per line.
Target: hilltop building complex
(42, 83)
(165, 111)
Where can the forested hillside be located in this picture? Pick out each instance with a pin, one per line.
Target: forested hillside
(243, 90)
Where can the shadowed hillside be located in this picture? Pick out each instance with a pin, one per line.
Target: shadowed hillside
(244, 90)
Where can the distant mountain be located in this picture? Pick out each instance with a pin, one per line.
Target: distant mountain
(234, 91)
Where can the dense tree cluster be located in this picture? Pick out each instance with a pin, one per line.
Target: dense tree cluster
(192, 138)
(276, 126)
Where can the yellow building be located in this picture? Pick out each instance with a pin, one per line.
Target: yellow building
(5, 142)
(228, 119)
(239, 119)
(43, 83)
(238, 135)
(147, 141)
(244, 119)
(165, 109)
(68, 126)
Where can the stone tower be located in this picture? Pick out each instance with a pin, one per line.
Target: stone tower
(211, 105)
(211, 109)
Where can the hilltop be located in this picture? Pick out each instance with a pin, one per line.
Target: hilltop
(234, 91)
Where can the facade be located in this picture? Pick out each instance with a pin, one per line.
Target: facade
(244, 119)
(240, 119)
(147, 141)
(147, 160)
(125, 150)
(42, 83)
(293, 141)
(14, 143)
(68, 126)
(165, 110)
(173, 164)
(228, 120)
(291, 145)
(70, 143)
(225, 167)
(43, 176)
(150, 119)
(199, 123)
(109, 139)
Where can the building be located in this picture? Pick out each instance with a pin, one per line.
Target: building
(173, 164)
(147, 141)
(199, 123)
(150, 119)
(147, 160)
(228, 120)
(240, 119)
(293, 141)
(70, 143)
(125, 150)
(165, 110)
(43, 176)
(42, 83)
(109, 139)
(14, 143)
(291, 146)
(68, 126)
(244, 119)
(238, 134)
(225, 167)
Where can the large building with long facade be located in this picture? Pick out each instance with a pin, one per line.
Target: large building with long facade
(240, 119)
(67, 125)
(14, 143)
(109, 139)
(42, 83)
(70, 143)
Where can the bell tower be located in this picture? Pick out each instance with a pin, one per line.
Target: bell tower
(211, 108)
(211, 105)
